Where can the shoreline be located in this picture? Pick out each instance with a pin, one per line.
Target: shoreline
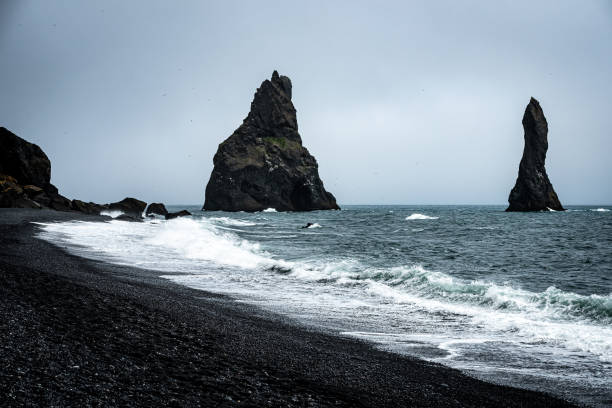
(83, 332)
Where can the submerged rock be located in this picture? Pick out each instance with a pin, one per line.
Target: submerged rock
(156, 208)
(129, 206)
(182, 213)
(263, 163)
(533, 190)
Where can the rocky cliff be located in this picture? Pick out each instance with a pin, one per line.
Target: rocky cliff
(533, 190)
(263, 163)
(25, 181)
(25, 175)
(24, 161)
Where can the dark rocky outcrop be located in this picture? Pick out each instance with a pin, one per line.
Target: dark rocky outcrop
(533, 190)
(26, 175)
(182, 213)
(129, 206)
(12, 195)
(156, 208)
(87, 208)
(24, 161)
(25, 181)
(263, 163)
(129, 217)
(55, 201)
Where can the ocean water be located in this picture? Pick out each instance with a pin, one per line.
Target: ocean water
(517, 298)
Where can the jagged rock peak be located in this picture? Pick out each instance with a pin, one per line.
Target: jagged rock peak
(272, 107)
(533, 190)
(263, 163)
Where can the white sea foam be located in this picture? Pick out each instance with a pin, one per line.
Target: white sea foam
(600, 209)
(111, 213)
(417, 216)
(163, 245)
(314, 225)
(232, 221)
(270, 210)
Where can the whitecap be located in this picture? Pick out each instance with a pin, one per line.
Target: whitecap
(232, 221)
(600, 209)
(417, 216)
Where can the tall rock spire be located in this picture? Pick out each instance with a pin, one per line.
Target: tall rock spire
(533, 190)
(263, 163)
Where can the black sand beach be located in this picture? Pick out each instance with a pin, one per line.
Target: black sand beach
(75, 332)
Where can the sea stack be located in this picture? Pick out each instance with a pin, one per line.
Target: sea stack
(533, 190)
(263, 163)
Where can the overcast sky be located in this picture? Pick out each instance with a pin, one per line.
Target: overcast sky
(400, 102)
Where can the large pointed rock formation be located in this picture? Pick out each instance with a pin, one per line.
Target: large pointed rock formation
(263, 163)
(533, 190)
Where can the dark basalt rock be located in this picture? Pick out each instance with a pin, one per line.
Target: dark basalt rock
(87, 208)
(32, 191)
(12, 195)
(263, 163)
(156, 208)
(182, 213)
(58, 202)
(533, 190)
(25, 161)
(129, 217)
(129, 206)
(25, 181)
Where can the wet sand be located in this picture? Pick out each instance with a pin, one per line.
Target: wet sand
(75, 332)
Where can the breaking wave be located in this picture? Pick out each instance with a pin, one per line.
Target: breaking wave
(174, 245)
(189, 245)
(415, 280)
(407, 287)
